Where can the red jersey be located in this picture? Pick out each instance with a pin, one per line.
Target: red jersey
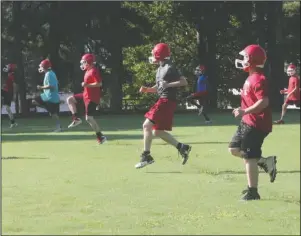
(294, 82)
(9, 83)
(254, 89)
(92, 94)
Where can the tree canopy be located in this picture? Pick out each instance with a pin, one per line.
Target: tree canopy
(122, 34)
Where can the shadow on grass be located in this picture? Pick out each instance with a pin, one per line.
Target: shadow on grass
(209, 142)
(64, 137)
(130, 122)
(243, 172)
(218, 173)
(23, 158)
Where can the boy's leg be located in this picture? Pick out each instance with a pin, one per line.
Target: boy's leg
(90, 111)
(72, 102)
(246, 143)
(146, 157)
(183, 149)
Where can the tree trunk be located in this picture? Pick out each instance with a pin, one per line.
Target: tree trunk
(116, 60)
(53, 42)
(275, 53)
(18, 56)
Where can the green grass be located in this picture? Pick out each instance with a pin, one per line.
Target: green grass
(65, 184)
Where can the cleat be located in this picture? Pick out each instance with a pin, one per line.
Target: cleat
(146, 159)
(250, 195)
(208, 122)
(184, 152)
(58, 130)
(75, 123)
(279, 122)
(269, 166)
(101, 140)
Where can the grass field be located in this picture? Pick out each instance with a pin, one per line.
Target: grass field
(63, 183)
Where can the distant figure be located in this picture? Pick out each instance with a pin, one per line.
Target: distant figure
(293, 92)
(8, 91)
(50, 98)
(90, 96)
(199, 98)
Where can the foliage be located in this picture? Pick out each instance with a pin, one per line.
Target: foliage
(123, 34)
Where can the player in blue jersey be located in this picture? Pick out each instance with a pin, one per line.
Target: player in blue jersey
(199, 98)
(49, 99)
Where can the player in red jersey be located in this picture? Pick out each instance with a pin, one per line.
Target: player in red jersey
(8, 91)
(160, 116)
(293, 92)
(256, 121)
(90, 96)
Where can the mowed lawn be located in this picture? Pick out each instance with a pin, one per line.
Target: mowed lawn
(63, 183)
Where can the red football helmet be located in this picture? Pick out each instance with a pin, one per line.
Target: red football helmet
(10, 68)
(87, 61)
(159, 53)
(291, 70)
(44, 66)
(200, 69)
(254, 56)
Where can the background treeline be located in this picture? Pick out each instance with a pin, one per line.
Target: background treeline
(122, 34)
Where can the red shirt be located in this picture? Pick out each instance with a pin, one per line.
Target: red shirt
(92, 94)
(293, 82)
(254, 89)
(9, 83)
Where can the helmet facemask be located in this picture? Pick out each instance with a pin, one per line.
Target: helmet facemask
(243, 64)
(41, 69)
(291, 72)
(84, 65)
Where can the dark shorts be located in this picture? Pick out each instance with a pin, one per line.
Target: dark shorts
(200, 98)
(249, 140)
(90, 107)
(6, 97)
(293, 102)
(162, 113)
(52, 108)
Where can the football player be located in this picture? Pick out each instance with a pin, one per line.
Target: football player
(8, 91)
(159, 118)
(90, 96)
(49, 99)
(256, 120)
(292, 93)
(199, 98)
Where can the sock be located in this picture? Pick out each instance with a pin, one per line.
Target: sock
(58, 124)
(12, 121)
(179, 146)
(146, 152)
(74, 116)
(206, 117)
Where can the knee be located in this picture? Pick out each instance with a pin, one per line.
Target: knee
(70, 100)
(234, 151)
(157, 133)
(147, 125)
(89, 118)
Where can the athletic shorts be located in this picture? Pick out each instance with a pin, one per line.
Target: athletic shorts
(249, 140)
(293, 102)
(7, 97)
(90, 107)
(52, 108)
(161, 114)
